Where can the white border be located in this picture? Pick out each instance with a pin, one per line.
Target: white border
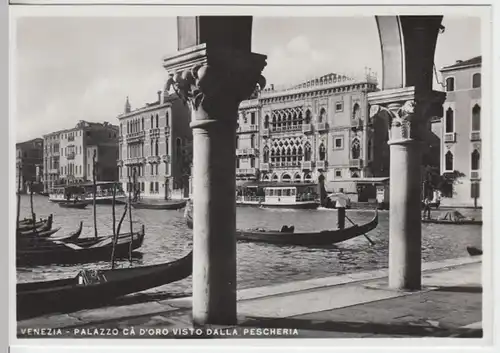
(296, 344)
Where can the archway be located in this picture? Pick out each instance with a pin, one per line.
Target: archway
(286, 178)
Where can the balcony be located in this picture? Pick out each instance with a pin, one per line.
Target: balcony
(475, 175)
(154, 159)
(265, 133)
(321, 165)
(248, 128)
(450, 137)
(246, 152)
(135, 161)
(307, 128)
(136, 136)
(71, 155)
(475, 136)
(71, 138)
(289, 128)
(307, 165)
(356, 163)
(248, 172)
(54, 171)
(321, 127)
(265, 167)
(154, 133)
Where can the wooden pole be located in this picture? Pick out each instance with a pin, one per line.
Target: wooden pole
(113, 209)
(130, 215)
(33, 217)
(115, 239)
(18, 198)
(95, 192)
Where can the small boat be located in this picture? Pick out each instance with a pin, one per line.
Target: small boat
(287, 236)
(165, 205)
(37, 240)
(453, 217)
(473, 251)
(71, 253)
(74, 204)
(92, 288)
(40, 226)
(85, 192)
(44, 228)
(38, 235)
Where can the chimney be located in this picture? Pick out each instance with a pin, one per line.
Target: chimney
(159, 97)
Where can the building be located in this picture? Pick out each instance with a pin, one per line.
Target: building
(461, 131)
(68, 154)
(319, 127)
(29, 159)
(156, 141)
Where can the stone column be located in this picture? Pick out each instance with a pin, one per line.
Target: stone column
(214, 82)
(407, 117)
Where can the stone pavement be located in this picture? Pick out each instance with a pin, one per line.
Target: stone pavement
(348, 306)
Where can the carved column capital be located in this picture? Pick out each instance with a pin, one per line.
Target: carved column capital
(215, 81)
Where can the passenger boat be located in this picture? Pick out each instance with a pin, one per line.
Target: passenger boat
(38, 241)
(92, 288)
(287, 236)
(70, 253)
(164, 205)
(473, 251)
(41, 225)
(85, 192)
(279, 195)
(74, 204)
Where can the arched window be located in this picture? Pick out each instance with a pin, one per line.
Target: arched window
(151, 122)
(322, 152)
(237, 141)
(307, 154)
(476, 80)
(308, 177)
(266, 122)
(475, 160)
(121, 129)
(448, 161)
(356, 112)
(449, 121)
(266, 155)
(275, 177)
(252, 141)
(128, 127)
(142, 123)
(156, 148)
(476, 118)
(308, 116)
(300, 151)
(450, 84)
(297, 178)
(355, 149)
(322, 115)
(252, 162)
(286, 178)
(157, 121)
(167, 122)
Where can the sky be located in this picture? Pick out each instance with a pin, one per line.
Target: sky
(82, 68)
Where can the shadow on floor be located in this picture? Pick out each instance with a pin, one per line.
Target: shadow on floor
(460, 289)
(398, 329)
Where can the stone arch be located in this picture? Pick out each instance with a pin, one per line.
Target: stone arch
(266, 177)
(266, 122)
(322, 116)
(286, 178)
(307, 177)
(275, 178)
(297, 178)
(307, 152)
(356, 112)
(355, 149)
(266, 154)
(308, 116)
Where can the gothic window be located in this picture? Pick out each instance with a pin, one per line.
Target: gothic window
(275, 177)
(476, 118)
(476, 80)
(142, 123)
(322, 152)
(167, 122)
(355, 149)
(266, 122)
(252, 118)
(252, 162)
(448, 161)
(151, 122)
(450, 84)
(449, 121)
(237, 162)
(307, 154)
(297, 178)
(322, 115)
(356, 112)
(237, 141)
(308, 116)
(286, 178)
(266, 155)
(475, 160)
(252, 141)
(157, 121)
(156, 148)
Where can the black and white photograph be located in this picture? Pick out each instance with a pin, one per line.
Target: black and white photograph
(251, 174)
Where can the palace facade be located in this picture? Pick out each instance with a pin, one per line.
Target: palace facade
(461, 131)
(319, 127)
(29, 160)
(155, 141)
(68, 154)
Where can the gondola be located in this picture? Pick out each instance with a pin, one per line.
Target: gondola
(166, 205)
(456, 222)
(326, 237)
(38, 234)
(70, 253)
(39, 226)
(94, 288)
(37, 241)
(76, 204)
(473, 251)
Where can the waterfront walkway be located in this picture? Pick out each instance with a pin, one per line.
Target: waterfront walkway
(348, 306)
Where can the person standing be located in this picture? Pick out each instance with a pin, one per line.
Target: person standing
(427, 208)
(341, 205)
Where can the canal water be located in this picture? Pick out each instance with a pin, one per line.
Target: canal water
(168, 238)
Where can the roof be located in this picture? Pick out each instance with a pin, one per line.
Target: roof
(460, 64)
